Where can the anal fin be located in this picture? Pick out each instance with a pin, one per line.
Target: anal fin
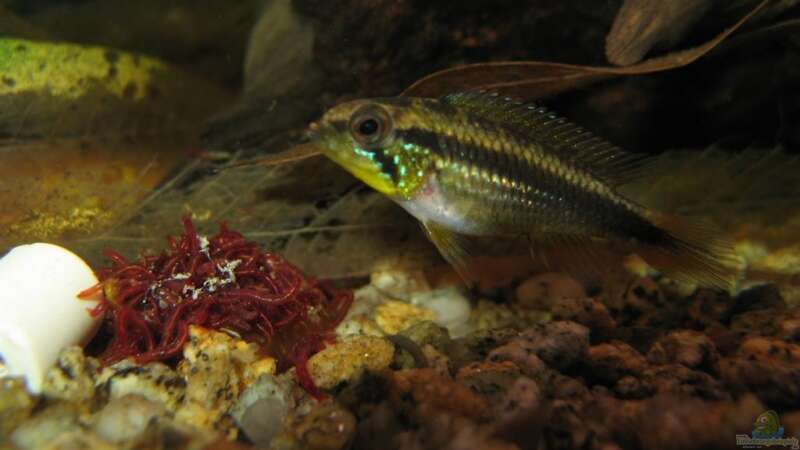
(581, 256)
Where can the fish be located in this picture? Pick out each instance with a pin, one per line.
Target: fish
(474, 165)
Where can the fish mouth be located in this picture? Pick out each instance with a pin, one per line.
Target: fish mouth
(313, 131)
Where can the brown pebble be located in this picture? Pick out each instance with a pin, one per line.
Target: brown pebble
(708, 307)
(488, 378)
(608, 362)
(789, 326)
(630, 387)
(777, 385)
(679, 379)
(634, 301)
(521, 414)
(762, 322)
(567, 427)
(766, 296)
(521, 355)
(676, 422)
(586, 311)
(559, 344)
(327, 426)
(726, 341)
(670, 422)
(545, 290)
(770, 349)
(690, 348)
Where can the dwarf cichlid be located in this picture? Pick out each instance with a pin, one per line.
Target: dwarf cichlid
(478, 165)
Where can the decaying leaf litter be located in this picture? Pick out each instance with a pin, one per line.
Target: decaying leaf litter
(335, 227)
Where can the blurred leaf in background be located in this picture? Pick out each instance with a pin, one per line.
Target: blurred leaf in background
(86, 132)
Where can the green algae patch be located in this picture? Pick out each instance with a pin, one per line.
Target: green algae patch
(88, 132)
(69, 71)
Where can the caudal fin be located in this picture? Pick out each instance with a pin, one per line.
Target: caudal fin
(693, 252)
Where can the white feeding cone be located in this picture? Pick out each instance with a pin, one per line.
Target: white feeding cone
(40, 312)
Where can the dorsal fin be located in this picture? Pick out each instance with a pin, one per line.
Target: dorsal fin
(571, 142)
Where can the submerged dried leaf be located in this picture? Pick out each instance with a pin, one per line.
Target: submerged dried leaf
(533, 79)
(312, 212)
(641, 25)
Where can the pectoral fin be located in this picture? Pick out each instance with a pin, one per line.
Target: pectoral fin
(459, 250)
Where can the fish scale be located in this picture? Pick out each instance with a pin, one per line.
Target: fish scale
(476, 165)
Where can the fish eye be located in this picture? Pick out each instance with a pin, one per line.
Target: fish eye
(370, 126)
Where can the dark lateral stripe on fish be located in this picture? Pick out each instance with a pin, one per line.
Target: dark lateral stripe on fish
(485, 158)
(488, 160)
(523, 171)
(422, 138)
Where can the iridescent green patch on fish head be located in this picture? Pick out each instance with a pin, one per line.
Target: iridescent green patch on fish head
(360, 136)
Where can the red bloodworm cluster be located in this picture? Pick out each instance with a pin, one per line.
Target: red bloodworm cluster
(224, 282)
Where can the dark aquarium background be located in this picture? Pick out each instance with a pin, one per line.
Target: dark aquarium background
(123, 121)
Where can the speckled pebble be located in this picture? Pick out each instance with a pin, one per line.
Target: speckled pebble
(777, 385)
(16, 404)
(586, 311)
(437, 360)
(763, 322)
(254, 370)
(488, 378)
(46, 426)
(521, 354)
(789, 326)
(428, 332)
(357, 325)
(679, 379)
(326, 426)
(610, 361)
(690, 348)
(435, 394)
(478, 344)
(520, 415)
(673, 422)
(490, 315)
(709, 306)
(770, 349)
(73, 377)
(559, 344)
(634, 300)
(631, 387)
(395, 316)
(215, 367)
(154, 381)
(567, 388)
(348, 358)
(545, 290)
